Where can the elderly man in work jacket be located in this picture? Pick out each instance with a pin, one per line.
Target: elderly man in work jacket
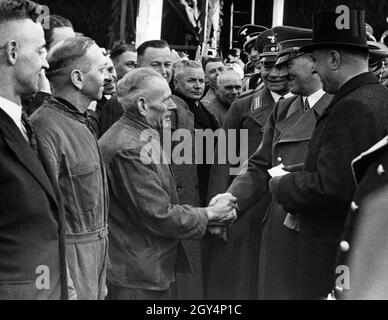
(233, 265)
(355, 119)
(146, 222)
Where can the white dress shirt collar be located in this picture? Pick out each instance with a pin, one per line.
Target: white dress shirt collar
(314, 98)
(13, 110)
(277, 96)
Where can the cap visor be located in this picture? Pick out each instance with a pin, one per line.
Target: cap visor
(282, 60)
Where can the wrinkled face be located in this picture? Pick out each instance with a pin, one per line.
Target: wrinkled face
(60, 34)
(110, 83)
(191, 83)
(273, 77)
(321, 66)
(158, 59)
(300, 74)
(213, 70)
(159, 104)
(229, 89)
(125, 63)
(384, 74)
(97, 76)
(30, 54)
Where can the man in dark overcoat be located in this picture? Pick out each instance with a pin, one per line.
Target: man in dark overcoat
(286, 138)
(361, 267)
(233, 265)
(355, 119)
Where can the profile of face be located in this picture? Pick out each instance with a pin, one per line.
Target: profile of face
(97, 75)
(321, 66)
(300, 76)
(157, 105)
(190, 83)
(125, 63)
(384, 73)
(110, 83)
(60, 34)
(253, 56)
(275, 78)
(27, 54)
(159, 59)
(212, 71)
(229, 88)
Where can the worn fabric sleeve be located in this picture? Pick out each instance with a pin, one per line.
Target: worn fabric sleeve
(139, 190)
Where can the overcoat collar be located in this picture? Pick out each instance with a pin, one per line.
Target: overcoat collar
(351, 85)
(299, 125)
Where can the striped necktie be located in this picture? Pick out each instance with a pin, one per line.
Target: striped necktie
(30, 133)
(306, 106)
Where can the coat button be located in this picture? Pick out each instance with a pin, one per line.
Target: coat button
(339, 289)
(280, 159)
(380, 170)
(354, 207)
(345, 247)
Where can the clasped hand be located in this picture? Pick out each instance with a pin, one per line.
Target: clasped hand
(223, 209)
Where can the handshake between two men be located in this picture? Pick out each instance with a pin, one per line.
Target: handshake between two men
(222, 212)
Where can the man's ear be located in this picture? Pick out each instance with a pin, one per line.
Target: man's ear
(12, 51)
(142, 106)
(77, 79)
(175, 83)
(335, 59)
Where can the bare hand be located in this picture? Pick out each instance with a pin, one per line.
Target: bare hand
(222, 208)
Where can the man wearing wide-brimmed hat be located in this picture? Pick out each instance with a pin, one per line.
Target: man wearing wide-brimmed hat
(357, 117)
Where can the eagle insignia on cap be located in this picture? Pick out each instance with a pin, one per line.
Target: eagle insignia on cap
(272, 38)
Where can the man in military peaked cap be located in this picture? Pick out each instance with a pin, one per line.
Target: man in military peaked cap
(241, 252)
(322, 191)
(247, 36)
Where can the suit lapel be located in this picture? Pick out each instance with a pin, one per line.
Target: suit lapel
(323, 103)
(299, 125)
(24, 152)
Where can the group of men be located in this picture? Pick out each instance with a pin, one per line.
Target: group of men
(110, 189)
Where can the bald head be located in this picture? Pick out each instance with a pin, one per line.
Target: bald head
(229, 87)
(22, 58)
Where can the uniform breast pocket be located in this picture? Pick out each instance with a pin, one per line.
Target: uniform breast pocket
(83, 198)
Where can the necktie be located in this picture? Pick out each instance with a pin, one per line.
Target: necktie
(30, 133)
(306, 105)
